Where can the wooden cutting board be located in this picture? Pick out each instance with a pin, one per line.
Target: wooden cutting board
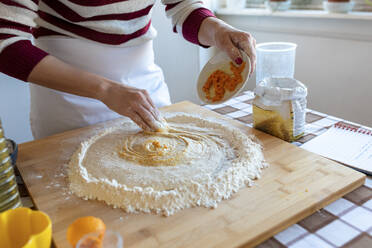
(296, 184)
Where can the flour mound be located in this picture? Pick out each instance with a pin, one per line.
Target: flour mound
(217, 160)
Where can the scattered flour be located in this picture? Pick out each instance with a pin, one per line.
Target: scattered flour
(210, 169)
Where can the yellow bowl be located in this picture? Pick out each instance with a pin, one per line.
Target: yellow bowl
(23, 227)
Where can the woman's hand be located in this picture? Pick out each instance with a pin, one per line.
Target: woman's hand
(232, 41)
(214, 32)
(133, 103)
(128, 101)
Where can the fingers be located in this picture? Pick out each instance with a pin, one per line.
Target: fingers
(150, 106)
(136, 104)
(139, 121)
(142, 97)
(148, 118)
(142, 110)
(232, 51)
(233, 42)
(148, 98)
(246, 42)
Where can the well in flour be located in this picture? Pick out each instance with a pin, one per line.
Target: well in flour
(199, 162)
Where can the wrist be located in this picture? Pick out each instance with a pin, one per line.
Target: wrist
(209, 29)
(101, 88)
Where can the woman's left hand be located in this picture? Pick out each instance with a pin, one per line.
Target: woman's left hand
(215, 32)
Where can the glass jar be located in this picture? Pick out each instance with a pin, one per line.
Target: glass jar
(9, 195)
(279, 108)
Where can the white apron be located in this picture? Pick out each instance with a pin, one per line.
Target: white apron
(54, 111)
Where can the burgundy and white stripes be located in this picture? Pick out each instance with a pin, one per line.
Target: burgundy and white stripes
(112, 22)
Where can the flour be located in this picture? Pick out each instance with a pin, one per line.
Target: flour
(212, 168)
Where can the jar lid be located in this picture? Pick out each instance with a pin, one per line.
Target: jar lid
(278, 89)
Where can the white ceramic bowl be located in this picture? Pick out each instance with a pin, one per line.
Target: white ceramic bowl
(278, 6)
(221, 61)
(341, 7)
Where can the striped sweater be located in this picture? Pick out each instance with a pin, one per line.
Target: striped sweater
(111, 22)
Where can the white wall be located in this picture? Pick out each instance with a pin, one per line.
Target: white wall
(14, 108)
(179, 60)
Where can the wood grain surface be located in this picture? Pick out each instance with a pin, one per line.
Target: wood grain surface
(296, 184)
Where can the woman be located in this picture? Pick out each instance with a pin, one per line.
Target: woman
(93, 60)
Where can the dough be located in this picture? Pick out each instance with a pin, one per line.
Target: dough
(198, 163)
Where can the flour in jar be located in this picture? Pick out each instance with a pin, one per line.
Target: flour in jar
(199, 162)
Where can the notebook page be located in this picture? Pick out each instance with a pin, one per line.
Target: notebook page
(363, 159)
(349, 147)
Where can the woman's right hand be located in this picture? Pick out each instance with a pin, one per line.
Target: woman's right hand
(133, 103)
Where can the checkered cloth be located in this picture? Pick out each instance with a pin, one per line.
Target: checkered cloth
(346, 222)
